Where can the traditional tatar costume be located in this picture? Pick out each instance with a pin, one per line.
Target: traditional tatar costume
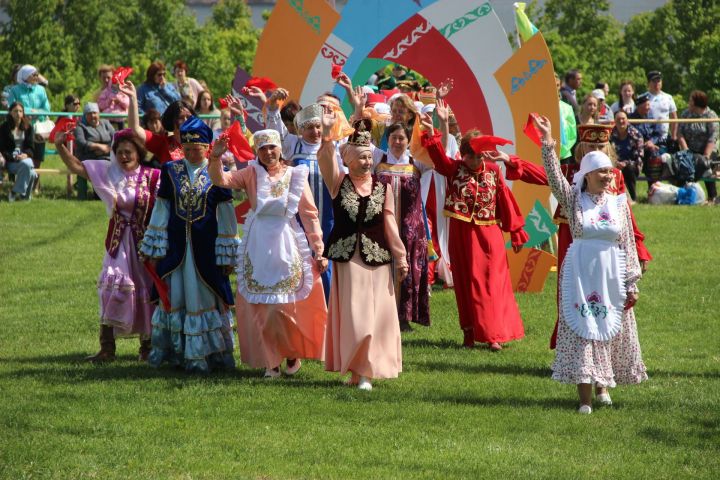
(280, 304)
(480, 207)
(363, 333)
(597, 339)
(193, 234)
(524, 171)
(124, 285)
(299, 152)
(404, 176)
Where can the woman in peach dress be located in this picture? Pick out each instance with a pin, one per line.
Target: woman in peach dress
(279, 303)
(363, 333)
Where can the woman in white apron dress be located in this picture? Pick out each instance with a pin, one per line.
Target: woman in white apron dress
(280, 304)
(597, 334)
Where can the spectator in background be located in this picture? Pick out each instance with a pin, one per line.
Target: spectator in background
(16, 146)
(568, 92)
(652, 137)
(110, 99)
(588, 111)
(93, 137)
(206, 106)
(152, 121)
(6, 89)
(628, 145)
(33, 97)
(71, 104)
(700, 138)
(155, 92)
(227, 158)
(188, 88)
(167, 146)
(287, 115)
(626, 98)
(662, 105)
(604, 114)
(604, 87)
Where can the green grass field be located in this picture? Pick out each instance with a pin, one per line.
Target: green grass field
(453, 413)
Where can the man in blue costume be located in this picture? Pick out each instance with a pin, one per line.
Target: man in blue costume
(192, 239)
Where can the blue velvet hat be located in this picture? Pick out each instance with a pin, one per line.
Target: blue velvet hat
(195, 131)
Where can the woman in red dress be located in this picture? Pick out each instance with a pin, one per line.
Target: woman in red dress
(480, 207)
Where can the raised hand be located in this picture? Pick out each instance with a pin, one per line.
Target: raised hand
(328, 122)
(234, 104)
(543, 124)
(344, 81)
(219, 148)
(496, 156)
(128, 89)
(279, 95)
(441, 110)
(358, 98)
(426, 122)
(255, 92)
(445, 88)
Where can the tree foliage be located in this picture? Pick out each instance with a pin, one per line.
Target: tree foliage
(68, 39)
(681, 39)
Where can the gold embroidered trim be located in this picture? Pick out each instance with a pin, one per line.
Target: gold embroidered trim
(277, 188)
(343, 248)
(373, 251)
(350, 200)
(472, 219)
(286, 285)
(376, 201)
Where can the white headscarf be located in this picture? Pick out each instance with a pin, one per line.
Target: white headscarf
(591, 161)
(24, 73)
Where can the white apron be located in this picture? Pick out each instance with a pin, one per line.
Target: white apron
(275, 258)
(594, 273)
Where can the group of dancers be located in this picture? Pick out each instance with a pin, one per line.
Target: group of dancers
(333, 258)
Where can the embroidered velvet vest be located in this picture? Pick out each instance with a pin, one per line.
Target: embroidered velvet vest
(144, 202)
(471, 195)
(359, 219)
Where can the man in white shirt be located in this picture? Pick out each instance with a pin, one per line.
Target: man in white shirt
(662, 105)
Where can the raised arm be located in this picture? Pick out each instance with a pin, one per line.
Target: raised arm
(329, 168)
(556, 180)
(219, 177)
(443, 116)
(133, 115)
(74, 165)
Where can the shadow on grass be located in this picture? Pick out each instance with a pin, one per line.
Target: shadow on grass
(427, 343)
(475, 368)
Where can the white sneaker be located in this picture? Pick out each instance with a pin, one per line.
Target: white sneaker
(272, 373)
(585, 410)
(364, 384)
(290, 371)
(604, 399)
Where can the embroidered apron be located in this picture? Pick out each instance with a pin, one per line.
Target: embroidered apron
(274, 252)
(594, 273)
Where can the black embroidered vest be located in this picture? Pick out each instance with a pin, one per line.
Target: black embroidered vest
(359, 220)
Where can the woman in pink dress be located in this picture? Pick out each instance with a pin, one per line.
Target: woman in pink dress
(363, 332)
(280, 303)
(128, 190)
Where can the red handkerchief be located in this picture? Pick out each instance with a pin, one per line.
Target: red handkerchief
(335, 71)
(488, 143)
(238, 144)
(223, 103)
(263, 83)
(65, 125)
(160, 286)
(532, 131)
(120, 74)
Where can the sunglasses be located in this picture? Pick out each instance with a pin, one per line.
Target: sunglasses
(160, 74)
(76, 103)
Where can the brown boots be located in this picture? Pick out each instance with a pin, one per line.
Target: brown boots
(107, 346)
(144, 351)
